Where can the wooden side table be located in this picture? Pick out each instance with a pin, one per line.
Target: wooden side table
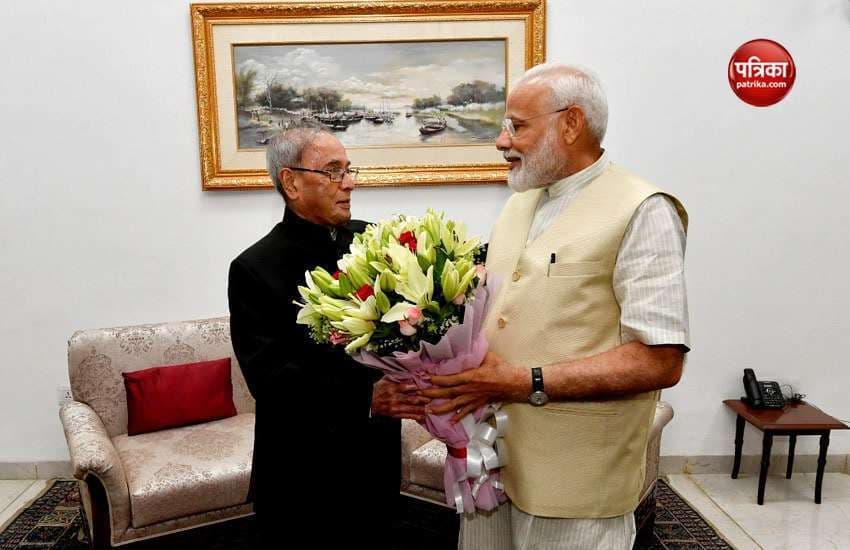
(792, 420)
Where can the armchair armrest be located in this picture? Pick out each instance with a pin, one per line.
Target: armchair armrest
(663, 416)
(92, 453)
(413, 436)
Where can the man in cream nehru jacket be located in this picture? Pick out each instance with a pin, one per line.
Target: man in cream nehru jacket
(590, 323)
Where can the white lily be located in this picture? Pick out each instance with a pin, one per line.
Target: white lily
(311, 284)
(324, 281)
(467, 273)
(450, 281)
(416, 286)
(354, 326)
(367, 310)
(399, 255)
(388, 280)
(448, 239)
(379, 266)
(332, 308)
(425, 251)
(307, 315)
(466, 247)
(381, 299)
(330, 312)
(358, 343)
(358, 272)
(357, 249)
(432, 222)
(397, 313)
(310, 296)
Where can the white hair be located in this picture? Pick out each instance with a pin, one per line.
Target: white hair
(573, 85)
(287, 148)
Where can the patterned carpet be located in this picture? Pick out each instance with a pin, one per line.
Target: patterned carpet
(55, 521)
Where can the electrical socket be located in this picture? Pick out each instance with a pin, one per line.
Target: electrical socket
(63, 394)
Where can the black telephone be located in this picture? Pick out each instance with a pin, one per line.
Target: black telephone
(766, 394)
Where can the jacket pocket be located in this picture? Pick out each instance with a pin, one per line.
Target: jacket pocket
(575, 269)
(581, 409)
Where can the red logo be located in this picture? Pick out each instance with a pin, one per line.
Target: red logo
(761, 72)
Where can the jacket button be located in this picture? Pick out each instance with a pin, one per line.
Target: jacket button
(501, 322)
(515, 276)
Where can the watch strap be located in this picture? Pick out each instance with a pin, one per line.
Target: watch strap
(536, 379)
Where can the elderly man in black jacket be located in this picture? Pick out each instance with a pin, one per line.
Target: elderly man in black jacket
(326, 465)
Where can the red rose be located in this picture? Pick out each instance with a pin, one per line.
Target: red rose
(407, 239)
(336, 274)
(364, 292)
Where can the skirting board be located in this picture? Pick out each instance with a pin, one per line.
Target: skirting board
(35, 470)
(715, 464)
(750, 464)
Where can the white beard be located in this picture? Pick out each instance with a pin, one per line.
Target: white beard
(538, 168)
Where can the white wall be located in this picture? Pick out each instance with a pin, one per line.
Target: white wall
(103, 221)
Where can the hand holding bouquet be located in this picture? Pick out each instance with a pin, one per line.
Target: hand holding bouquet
(410, 299)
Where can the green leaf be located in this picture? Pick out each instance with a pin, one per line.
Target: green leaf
(346, 287)
(440, 263)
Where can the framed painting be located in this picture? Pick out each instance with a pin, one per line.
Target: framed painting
(414, 89)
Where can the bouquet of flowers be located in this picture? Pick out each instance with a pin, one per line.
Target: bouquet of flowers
(410, 299)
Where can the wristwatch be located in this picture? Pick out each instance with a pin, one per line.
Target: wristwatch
(538, 397)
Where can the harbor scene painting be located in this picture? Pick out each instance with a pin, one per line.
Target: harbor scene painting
(380, 94)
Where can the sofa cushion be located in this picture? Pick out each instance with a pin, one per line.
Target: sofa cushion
(189, 470)
(178, 395)
(426, 465)
(97, 357)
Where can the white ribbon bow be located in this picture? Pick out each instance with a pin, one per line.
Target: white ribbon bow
(481, 457)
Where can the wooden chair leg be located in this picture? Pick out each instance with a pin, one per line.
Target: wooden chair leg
(101, 528)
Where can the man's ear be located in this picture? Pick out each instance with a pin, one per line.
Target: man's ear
(573, 124)
(287, 181)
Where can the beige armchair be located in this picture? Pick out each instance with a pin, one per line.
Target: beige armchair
(423, 458)
(152, 484)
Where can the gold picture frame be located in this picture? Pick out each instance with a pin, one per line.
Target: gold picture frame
(220, 30)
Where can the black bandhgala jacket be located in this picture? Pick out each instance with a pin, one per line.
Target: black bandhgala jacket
(322, 468)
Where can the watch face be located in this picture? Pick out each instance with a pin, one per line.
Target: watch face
(538, 398)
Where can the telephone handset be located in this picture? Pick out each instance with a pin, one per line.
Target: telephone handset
(765, 394)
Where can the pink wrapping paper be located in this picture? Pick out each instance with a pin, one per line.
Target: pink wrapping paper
(463, 347)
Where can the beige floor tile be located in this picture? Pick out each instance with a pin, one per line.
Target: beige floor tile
(30, 493)
(11, 490)
(789, 517)
(835, 486)
(745, 489)
(713, 514)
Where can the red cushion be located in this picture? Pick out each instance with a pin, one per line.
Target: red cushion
(167, 397)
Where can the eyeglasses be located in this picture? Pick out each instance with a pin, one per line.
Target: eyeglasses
(508, 123)
(336, 175)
